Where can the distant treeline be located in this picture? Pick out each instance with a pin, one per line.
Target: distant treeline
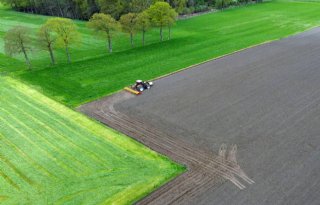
(84, 9)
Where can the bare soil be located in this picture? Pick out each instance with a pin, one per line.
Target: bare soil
(205, 170)
(264, 99)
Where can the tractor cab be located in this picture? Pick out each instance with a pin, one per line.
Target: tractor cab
(141, 86)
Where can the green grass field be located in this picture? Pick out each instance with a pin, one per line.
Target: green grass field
(95, 73)
(50, 154)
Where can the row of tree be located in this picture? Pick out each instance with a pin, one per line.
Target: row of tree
(62, 32)
(84, 9)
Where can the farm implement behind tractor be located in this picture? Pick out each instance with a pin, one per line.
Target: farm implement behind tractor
(139, 87)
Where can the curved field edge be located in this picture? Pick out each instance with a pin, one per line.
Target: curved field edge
(194, 41)
(145, 170)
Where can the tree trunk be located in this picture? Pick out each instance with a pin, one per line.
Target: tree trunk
(131, 40)
(161, 34)
(68, 54)
(51, 55)
(110, 44)
(143, 37)
(60, 9)
(26, 57)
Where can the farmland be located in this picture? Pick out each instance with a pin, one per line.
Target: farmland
(95, 74)
(265, 99)
(50, 154)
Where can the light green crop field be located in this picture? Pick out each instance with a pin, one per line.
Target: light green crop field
(95, 73)
(50, 154)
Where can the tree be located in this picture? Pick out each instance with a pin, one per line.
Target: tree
(66, 31)
(106, 25)
(47, 39)
(160, 14)
(18, 40)
(171, 20)
(129, 25)
(143, 24)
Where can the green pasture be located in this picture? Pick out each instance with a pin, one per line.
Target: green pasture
(94, 73)
(50, 154)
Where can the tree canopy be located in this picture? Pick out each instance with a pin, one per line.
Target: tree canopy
(47, 38)
(161, 15)
(18, 40)
(104, 25)
(66, 31)
(143, 24)
(129, 24)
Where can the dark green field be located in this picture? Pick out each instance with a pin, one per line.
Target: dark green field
(95, 73)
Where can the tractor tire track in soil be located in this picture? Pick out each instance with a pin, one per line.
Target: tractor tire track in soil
(204, 170)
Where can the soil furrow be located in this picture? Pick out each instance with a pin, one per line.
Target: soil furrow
(205, 170)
